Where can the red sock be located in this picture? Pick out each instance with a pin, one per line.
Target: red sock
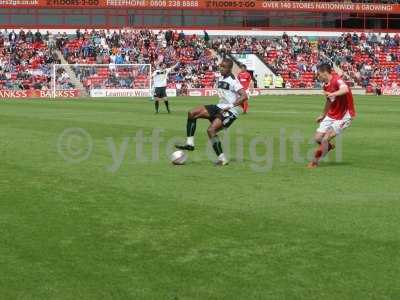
(245, 106)
(319, 151)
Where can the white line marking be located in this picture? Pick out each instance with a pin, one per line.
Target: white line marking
(274, 112)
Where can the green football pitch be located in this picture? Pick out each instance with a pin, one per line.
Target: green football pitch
(92, 208)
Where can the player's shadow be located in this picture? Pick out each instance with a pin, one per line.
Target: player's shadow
(330, 164)
(335, 164)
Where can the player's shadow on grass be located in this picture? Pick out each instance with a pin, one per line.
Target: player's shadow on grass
(335, 164)
(247, 161)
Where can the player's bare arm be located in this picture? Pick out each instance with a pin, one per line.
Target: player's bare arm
(343, 90)
(242, 97)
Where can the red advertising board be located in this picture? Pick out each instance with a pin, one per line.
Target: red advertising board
(9, 94)
(210, 5)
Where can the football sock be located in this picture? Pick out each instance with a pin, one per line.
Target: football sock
(190, 127)
(190, 140)
(318, 153)
(167, 105)
(320, 150)
(245, 106)
(217, 146)
(156, 104)
(222, 157)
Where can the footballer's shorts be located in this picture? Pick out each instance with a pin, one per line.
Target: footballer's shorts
(160, 92)
(215, 112)
(338, 126)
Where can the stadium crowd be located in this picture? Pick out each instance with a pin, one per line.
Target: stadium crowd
(197, 62)
(367, 60)
(364, 59)
(26, 60)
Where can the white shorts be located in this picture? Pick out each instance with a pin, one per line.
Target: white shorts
(336, 125)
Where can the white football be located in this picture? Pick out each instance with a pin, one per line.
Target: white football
(178, 157)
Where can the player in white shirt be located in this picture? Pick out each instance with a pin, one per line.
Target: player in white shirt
(231, 96)
(160, 82)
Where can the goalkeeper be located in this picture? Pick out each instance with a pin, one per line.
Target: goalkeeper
(160, 78)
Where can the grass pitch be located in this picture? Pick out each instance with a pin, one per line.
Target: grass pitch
(91, 215)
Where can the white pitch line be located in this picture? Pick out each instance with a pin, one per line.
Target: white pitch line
(178, 110)
(274, 112)
(89, 113)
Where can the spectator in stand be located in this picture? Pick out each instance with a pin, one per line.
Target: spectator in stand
(268, 81)
(397, 70)
(376, 89)
(206, 38)
(168, 36)
(317, 84)
(178, 87)
(63, 80)
(38, 36)
(184, 90)
(12, 37)
(279, 83)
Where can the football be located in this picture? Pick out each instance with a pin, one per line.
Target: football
(178, 157)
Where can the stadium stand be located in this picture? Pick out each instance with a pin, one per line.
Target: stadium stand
(295, 59)
(197, 62)
(25, 61)
(363, 59)
(366, 60)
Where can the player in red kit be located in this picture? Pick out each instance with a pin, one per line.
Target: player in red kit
(338, 113)
(245, 79)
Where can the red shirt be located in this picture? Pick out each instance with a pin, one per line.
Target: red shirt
(245, 79)
(341, 104)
